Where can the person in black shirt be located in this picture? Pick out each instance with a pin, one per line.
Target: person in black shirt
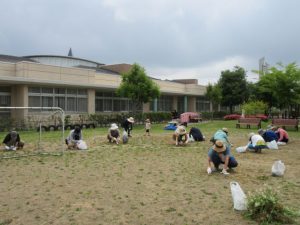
(12, 141)
(127, 125)
(196, 134)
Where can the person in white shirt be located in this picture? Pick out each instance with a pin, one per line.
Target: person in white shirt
(256, 143)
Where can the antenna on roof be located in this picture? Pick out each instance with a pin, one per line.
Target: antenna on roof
(70, 54)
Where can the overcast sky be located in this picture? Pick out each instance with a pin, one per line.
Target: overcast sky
(169, 38)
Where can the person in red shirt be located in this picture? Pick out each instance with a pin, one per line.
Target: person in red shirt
(282, 134)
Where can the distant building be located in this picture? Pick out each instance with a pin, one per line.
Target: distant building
(263, 66)
(81, 86)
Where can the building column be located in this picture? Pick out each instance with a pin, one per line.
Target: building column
(146, 107)
(192, 104)
(91, 101)
(185, 103)
(175, 103)
(155, 105)
(19, 98)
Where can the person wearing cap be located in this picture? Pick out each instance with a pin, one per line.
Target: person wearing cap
(147, 127)
(127, 125)
(113, 134)
(196, 134)
(180, 136)
(74, 137)
(268, 135)
(218, 154)
(222, 135)
(12, 141)
(256, 143)
(282, 134)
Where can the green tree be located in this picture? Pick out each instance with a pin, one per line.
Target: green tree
(233, 86)
(137, 86)
(280, 87)
(213, 93)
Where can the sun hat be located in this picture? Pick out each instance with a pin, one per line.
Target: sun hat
(261, 131)
(219, 146)
(225, 130)
(147, 120)
(113, 126)
(181, 130)
(251, 134)
(130, 119)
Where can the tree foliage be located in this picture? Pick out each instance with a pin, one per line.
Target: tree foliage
(137, 86)
(280, 86)
(233, 86)
(213, 93)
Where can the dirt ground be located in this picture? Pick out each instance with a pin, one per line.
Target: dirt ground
(147, 181)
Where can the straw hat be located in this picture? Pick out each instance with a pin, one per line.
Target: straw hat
(251, 134)
(130, 119)
(114, 126)
(181, 130)
(225, 130)
(147, 121)
(219, 146)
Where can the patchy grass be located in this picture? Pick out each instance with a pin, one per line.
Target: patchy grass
(147, 181)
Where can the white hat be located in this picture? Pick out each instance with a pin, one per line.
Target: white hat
(181, 130)
(114, 126)
(130, 119)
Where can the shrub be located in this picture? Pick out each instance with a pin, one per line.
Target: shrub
(232, 117)
(264, 207)
(255, 107)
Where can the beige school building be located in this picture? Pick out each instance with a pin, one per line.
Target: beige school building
(81, 86)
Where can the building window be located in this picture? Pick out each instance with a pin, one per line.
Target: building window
(5, 101)
(109, 102)
(202, 104)
(69, 99)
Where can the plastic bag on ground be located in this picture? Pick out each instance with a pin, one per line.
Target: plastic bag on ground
(241, 149)
(281, 143)
(278, 168)
(125, 137)
(191, 139)
(81, 145)
(272, 145)
(238, 196)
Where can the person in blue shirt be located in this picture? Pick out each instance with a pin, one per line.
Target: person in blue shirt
(218, 154)
(268, 135)
(223, 136)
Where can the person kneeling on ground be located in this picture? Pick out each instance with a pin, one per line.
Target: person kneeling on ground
(74, 137)
(223, 136)
(113, 134)
(256, 143)
(268, 135)
(12, 141)
(281, 134)
(196, 134)
(180, 136)
(218, 154)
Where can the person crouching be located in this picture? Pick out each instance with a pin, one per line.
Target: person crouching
(218, 154)
(12, 141)
(113, 135)
(74, 137)
(180, 136)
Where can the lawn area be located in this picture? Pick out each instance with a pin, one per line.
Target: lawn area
(147, 181)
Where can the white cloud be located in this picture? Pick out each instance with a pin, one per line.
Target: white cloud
(208, 73)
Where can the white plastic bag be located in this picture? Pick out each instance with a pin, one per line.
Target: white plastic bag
(272, 145)
(191, 138)
(281, 143)
(238, 196)
(278, 168)
(241, 149)
(81, 145)
(125, 137)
